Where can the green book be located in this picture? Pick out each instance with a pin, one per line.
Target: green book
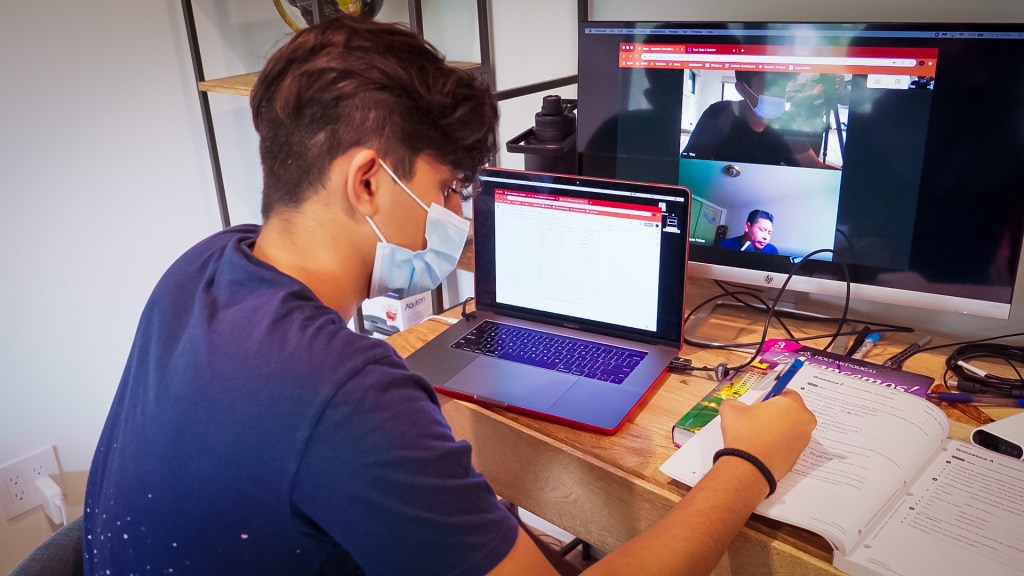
(706, 410)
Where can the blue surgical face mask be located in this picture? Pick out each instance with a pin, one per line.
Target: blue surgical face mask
(770, 107)
(401, 271)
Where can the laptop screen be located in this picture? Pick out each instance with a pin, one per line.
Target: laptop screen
(595, 254)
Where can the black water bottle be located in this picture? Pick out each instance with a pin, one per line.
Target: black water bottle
(555, 122)
(550, 145)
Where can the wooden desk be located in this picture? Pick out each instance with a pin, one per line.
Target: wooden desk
(607, 489)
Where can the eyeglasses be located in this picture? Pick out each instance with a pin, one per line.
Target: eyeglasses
(464, 191)
(454, 188)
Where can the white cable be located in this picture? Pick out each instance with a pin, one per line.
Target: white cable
(976, 371)
(445, 319)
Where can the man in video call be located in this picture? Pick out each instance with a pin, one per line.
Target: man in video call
(756, 233)
(740, 131)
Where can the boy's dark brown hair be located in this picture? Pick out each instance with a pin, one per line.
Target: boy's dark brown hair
(349, 82)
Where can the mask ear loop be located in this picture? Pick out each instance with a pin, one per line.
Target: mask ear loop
(744, 96)
(376, 230)
(402, 184)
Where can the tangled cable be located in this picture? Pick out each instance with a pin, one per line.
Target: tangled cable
(975, 380)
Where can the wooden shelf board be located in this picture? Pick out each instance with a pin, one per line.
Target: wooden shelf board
(242, 84)
(470, 66)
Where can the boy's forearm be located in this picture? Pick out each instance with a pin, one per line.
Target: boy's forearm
(694, 535)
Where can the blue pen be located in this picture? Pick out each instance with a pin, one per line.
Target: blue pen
(868, 344)
(957, 397)
(784, 379)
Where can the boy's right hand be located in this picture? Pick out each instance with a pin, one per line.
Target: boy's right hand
(776, 431)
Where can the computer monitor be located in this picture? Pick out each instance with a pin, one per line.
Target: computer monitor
(899, 146)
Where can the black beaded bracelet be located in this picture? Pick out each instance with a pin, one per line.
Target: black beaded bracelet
(772, 484)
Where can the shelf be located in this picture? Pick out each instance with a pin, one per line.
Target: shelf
(241, 85)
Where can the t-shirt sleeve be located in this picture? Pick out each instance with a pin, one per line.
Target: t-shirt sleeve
(383, 477)
(710, 130)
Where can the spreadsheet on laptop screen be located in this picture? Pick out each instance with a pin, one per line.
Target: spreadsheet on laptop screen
(587, 258)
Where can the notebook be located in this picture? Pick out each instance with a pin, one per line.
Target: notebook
(579, 296)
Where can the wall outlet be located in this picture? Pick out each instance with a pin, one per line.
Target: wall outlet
(18, 492)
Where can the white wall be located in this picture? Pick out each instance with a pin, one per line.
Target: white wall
(106, 179)
(104, 184)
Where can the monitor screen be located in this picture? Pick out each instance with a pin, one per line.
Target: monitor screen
(898, 146)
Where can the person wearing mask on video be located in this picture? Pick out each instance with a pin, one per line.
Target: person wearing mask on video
(254, 433)
(741, 131)
(756, 235)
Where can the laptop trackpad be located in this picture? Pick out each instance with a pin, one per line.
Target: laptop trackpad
(511, 383)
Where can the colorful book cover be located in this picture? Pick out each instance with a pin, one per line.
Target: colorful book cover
(778, 352)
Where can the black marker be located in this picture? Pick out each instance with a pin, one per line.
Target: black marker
(897, 359)
(858, 340)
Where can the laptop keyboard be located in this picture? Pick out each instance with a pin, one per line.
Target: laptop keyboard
(551, 351)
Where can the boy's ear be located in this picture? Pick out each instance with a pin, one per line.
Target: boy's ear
(360, 175)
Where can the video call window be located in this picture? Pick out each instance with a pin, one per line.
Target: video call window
(777, 118)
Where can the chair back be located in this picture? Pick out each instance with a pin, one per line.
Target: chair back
(58, 555)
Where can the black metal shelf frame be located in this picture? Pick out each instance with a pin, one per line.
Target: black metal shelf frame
(416, 23)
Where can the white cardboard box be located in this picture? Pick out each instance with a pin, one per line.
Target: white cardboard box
(386, 315)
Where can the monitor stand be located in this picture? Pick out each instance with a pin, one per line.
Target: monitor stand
(786, 307)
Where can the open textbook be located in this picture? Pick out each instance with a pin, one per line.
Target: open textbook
(884, 485)
(778, 353)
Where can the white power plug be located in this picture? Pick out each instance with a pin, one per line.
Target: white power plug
(52, 499)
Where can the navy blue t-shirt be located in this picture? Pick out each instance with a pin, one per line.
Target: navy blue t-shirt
(253, 433)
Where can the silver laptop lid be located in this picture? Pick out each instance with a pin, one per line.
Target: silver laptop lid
(604, 256)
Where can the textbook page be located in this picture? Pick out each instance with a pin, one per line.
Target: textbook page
(869, 441)
(963, 515)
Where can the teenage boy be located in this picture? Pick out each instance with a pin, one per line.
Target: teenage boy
(254, 433)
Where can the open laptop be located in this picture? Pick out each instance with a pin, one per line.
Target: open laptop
(579, 297)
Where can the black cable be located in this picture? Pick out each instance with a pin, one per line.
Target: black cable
(798, 315)
(967, 381)
(732, 345)
(467, 315)
(873, 326)
(735, 295)
(773, 313)
(718, 297)
(722, 370)
(456, 305)
(963, 343)
(974, 380)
